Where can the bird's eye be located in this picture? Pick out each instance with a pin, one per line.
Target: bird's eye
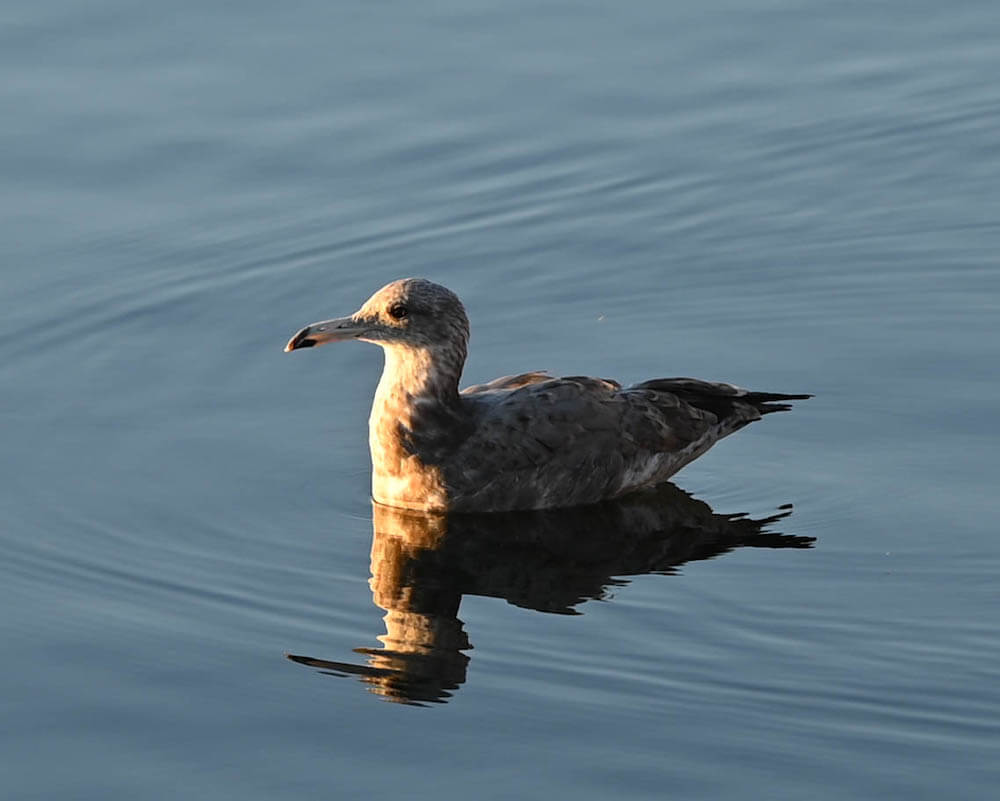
(398, 311)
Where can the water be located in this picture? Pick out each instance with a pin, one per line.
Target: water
(792, 196)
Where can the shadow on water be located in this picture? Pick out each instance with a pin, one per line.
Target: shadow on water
(549, 561)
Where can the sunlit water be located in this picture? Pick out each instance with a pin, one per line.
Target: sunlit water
(793, 196)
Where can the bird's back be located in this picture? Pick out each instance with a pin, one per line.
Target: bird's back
(541, 442)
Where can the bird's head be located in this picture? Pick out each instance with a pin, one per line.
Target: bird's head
(410, 312)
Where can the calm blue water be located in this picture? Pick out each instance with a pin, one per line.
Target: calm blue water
(792, 196)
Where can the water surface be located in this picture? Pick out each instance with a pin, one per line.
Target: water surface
(791, 196)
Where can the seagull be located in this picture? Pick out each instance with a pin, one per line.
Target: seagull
(528, 441)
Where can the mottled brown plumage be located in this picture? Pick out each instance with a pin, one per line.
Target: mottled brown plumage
(529, 441)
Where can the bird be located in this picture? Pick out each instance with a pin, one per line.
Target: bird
(520, 442)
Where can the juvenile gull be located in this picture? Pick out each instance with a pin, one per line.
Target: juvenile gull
(528, 441)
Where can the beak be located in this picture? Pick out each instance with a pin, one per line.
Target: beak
(327, 331)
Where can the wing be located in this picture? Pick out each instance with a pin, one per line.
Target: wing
(725, 401)
(575, 438)
(508, 382)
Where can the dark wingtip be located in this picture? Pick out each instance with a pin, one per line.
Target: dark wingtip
(768, 397)
(769, 402)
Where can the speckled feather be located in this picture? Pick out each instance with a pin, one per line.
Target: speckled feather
(528, 441)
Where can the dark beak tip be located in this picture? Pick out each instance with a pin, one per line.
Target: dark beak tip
(299, 341)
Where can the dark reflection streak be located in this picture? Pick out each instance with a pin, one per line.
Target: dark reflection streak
(550, 561)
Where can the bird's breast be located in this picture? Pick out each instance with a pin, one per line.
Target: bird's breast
(408, 448)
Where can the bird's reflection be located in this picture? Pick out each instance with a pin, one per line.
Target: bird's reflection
(549, 561)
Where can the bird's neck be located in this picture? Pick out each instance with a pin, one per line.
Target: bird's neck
(414, 375)
(416, 419)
